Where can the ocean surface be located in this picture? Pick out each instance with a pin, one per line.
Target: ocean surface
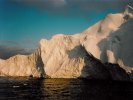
(64, 89)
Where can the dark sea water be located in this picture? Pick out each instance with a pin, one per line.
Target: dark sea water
(64, 89)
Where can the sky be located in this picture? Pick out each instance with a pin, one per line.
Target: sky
(24, 22)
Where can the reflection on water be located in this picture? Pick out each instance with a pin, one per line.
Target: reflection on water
(64, 89)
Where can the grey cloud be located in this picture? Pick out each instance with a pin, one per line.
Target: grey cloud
(6, 51)
(84, 8)
(43, 4)
(66, 6)
(11, 48)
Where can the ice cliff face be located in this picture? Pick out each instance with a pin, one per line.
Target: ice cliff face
(110, 39)
(22, 65)
(64, 57)
(81, 55)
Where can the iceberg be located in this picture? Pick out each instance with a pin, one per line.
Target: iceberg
(103, 51)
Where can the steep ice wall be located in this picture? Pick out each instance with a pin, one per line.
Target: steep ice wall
(97, 36)
(110, 39)
(22, 65)
(64, 57)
